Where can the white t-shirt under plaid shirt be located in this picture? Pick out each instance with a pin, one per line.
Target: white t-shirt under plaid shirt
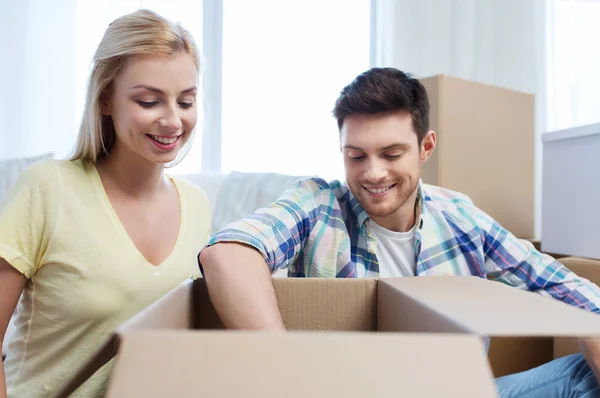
(395, 251)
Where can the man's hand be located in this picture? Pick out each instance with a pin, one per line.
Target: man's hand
(590, 348)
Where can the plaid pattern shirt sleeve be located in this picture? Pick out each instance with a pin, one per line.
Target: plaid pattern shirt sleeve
(516, 262)
(279, 231)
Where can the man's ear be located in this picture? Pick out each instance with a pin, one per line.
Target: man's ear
(428, 145)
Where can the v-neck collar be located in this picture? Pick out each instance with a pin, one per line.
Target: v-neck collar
(112, 214)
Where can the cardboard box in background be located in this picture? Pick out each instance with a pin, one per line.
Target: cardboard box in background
(485, 148)
(161, 354)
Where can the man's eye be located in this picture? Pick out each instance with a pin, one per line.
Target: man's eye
(145, 104)
(393, 157)
(186, 105)
(356, 158)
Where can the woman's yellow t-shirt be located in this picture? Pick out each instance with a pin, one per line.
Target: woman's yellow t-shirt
(85, 275)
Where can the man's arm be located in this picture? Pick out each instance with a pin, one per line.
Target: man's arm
(240, 287)
(239, 260)
(516, 262)
(590, 348)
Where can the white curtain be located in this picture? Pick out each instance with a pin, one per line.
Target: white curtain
(37, 86)
(497, 42)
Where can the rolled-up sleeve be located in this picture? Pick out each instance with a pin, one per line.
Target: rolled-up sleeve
(516, 262)
(280, 230)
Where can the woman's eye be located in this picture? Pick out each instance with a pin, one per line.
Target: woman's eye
(356, 158)
(145, 104)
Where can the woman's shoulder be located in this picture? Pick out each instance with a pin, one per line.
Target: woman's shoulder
(78, 167)
(42, 173)
(46, 167)
(190, 191)
(58, 174)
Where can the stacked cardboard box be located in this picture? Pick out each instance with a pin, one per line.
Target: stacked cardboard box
(485, 148)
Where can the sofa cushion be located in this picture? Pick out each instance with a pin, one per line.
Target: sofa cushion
(210, 183)
(235, 195)
(243, 193)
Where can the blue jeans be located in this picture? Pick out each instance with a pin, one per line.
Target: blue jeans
(567, 377)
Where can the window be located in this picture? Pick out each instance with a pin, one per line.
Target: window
(284, 64)
(573, 64)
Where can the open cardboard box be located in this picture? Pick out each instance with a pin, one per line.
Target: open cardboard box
(173, 349)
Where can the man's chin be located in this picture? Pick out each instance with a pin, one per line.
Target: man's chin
(377, 210)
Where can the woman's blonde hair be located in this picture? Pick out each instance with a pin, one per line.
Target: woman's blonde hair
(141, 33)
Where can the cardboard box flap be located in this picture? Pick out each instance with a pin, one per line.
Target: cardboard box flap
(299, 365)
(396, 313)
(485, 308)
(173, 311)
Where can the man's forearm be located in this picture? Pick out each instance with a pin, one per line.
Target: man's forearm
(590, 348)
(240, 287)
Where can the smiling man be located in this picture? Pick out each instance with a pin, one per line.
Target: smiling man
(382, 222)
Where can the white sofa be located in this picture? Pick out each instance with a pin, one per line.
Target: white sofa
(234, 195)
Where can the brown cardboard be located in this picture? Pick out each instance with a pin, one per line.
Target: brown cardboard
(509, 355)
(584, 268)
(485, 148)
(564, 346)
(438, 308)
(324, 304)
(321, 304)
(487, 308)
(297, 364)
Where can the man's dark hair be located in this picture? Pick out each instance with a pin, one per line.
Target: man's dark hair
(381, 90)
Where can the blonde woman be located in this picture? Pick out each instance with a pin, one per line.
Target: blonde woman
(90, 241)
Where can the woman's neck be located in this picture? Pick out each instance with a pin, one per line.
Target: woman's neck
(132, 175)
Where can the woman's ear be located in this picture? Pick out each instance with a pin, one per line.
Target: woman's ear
(106, 108)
